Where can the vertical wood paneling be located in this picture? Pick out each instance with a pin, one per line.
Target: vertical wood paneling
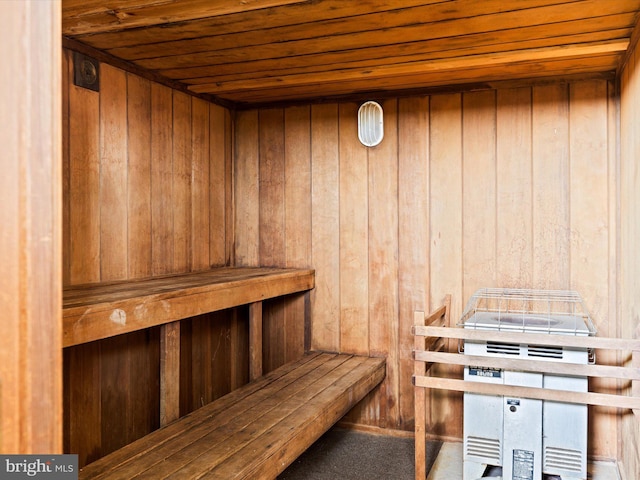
(514, 254)
(413, 238)
(325, 211)
(113, 174)
(161, 180)
(629, 316)
(218, 202)
(466, 191)
(550, 127)
(115, 395)
(479, 191)
(67, 65)
(297, 218)
(181, 182)
(383, 264)
(445, 216)
(589, 216)
(272, 227)
(354, 232)
(139, 176)
(247, 205)
(84, 186)
(200, 186)
(85, 402)
(140, 169)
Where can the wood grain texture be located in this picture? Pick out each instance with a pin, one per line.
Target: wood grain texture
(629, 233)
(514, 254)
(113, 174)
(286, 411)
(122, 221)
(200, 176)
(297, 214)
(446, 212)
(270, 51)
(139, 251)
(246, 188)
(382, 262)
(31, 239)
(413, 234)
(169, 372)
(469, 184)
(181, 206)
(589, 222)
(161, 180)
(550, 127)
(84, 185)
(220, 204)
(271, 235)
(96, 311)
(325, 217)
(353, 235)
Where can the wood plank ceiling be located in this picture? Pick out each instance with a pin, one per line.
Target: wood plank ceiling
(271, 51)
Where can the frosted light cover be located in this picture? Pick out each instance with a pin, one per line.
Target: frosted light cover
(370, 124)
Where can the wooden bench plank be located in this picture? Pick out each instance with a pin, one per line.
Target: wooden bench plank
(277, 448)
(96, 311)
(101, 467)
(255, 431)
(218, 440)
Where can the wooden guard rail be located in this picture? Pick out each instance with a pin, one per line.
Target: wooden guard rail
(430, 332)
(439, 318)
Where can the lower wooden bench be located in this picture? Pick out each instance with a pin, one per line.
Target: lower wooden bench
(254, 432)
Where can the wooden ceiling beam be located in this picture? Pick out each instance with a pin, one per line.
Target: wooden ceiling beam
(460, 64)
(525, 73)
(302, 40)
(406, 23)
(373, 56)
(96, 16)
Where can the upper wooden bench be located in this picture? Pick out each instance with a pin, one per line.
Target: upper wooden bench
(101, 310)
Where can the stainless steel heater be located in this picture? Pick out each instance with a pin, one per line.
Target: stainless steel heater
(527, 438)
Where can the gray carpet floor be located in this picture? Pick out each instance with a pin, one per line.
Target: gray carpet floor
(350, 455)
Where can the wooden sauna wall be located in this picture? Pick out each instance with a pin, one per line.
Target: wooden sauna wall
(630, 246)
(499, 188)
(147, 182)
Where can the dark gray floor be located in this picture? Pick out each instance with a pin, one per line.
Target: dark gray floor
(349, 455)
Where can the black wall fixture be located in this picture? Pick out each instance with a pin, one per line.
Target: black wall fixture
(86, 72)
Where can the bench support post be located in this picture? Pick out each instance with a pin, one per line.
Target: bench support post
(255, 340)
(169, 372)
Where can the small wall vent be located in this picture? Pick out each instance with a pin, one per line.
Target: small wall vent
(370, 124)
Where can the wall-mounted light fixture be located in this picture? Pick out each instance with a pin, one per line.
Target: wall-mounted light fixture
(370, 124)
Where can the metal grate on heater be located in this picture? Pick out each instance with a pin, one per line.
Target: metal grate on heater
(522, 310)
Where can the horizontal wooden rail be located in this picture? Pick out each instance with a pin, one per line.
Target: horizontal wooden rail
(590, 398)
(433, 333)
(530, 365)
(567, 341)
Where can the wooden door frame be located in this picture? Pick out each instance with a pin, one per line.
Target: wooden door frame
(30, 228)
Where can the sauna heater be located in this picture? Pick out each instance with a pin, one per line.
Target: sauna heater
(525, 439)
